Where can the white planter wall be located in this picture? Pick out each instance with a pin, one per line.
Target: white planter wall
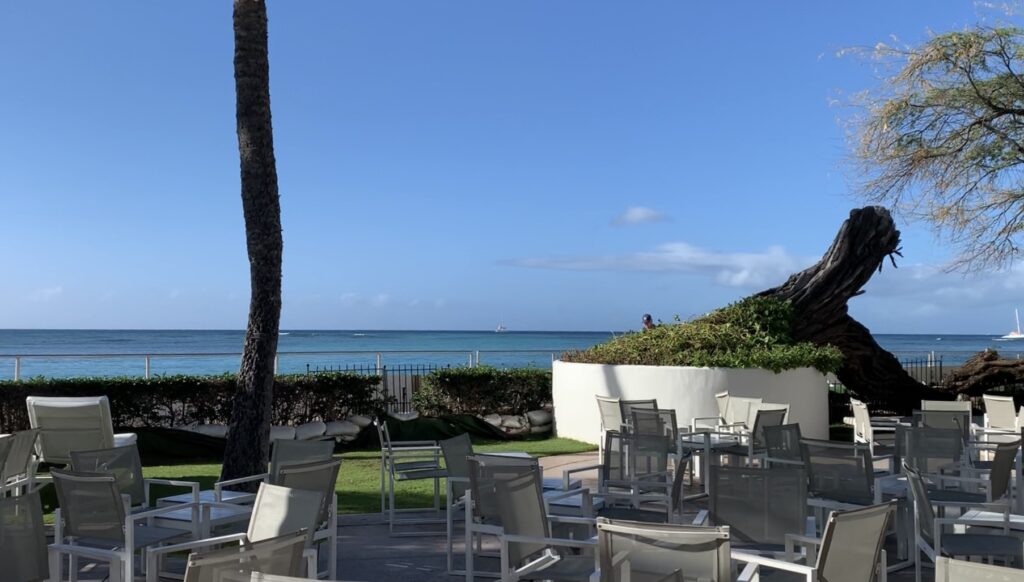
(690, 391)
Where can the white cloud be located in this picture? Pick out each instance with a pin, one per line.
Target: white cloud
(380, 300)
(639, 215)
(349, 299)
(47, 293)
(770, 267)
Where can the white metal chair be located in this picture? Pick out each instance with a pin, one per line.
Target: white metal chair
(850, 550)
(22, 539)
(70, 424)
(319, 476)
(93, 523)
(1000, 413)
(611, 419)
(277, 511)
(408, 461)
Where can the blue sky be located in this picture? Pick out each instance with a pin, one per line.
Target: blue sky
(561, 165)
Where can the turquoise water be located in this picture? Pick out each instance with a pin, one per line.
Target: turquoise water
(510, 349)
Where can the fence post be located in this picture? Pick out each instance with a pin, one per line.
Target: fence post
(17, 368)
(277, 361)
(478, 357)
(471, 360)
(147, 366)
(378, 363)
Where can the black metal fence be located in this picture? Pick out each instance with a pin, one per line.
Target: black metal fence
(928, 371)
(397, 382)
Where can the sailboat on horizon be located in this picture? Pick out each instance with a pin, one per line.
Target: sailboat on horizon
(1016, 334)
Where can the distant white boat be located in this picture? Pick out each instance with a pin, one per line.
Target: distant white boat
(500, 329)
(1016, 334)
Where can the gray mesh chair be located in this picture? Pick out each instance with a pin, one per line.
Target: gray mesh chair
(752, 443)
(92, 514)
(760, 506)
(850, 548)
(996, 486)
(950, 419)
(456, 451)
(1000, 413)
(738, 413)
(930, 450)
(322, 477)
(931, 540)
(880, 439)
(949, 570)
(528, 550)
(126, 467)
(408, 461)
(611, 418)
(627, 407)
(277, 511)
(280, 555)
(483, 516)
(282, 452)
(840, 474)
(782, 444)
(67, 424)
(18, 468)
(22, 539)
(631, 551)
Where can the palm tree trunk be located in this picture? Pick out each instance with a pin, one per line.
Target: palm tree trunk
(248, 440)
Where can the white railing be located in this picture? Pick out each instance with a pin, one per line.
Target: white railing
(469, 357)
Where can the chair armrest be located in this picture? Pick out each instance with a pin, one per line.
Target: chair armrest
(701, 518)
(406, 444)
(506, 538)
(220, 485)
(196, 544)
(572, 520)
(191, 485)
(566, 493)
(158, 511)
(809, 572)
(567, 472)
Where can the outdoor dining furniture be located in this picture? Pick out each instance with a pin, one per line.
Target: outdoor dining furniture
(850, 549)
(611, 419)
(18, 466)
(92, 523)
(528, 551)
(322, 477)
(734, 411)
(23, 553)
(408, 461)
(782, 445)
(931, 539)
(281, 555)
(68, 424)
(636, 551)
(752, 444)
(705, 443)
(276, 511)
(760, 506)
(1000, 413)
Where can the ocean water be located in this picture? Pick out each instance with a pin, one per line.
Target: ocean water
(64, 353)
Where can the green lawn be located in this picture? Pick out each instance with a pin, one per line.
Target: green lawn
(359, 479)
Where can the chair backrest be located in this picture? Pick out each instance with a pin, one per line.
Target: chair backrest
(1000, 412)
(280, 555)
(722, 400)
(456, 451)
(950, 570)
(763, 418)
(485, 471)
(958, 419)
(633, 551)
(319, 476)
(962, 406)
(611, 413)
(852, 543)
(1002, 468)
(521, 507)
(922, 504)
(627, 406)
(18, 461)
(929, 450)
(22, 539)
(862, 431)
(67, 424)
(296, 452)
(91, 505)
(647, 422)
(282, 510)
(740, 408)
(759, 505)
(782, 443)
(840, 471)
(122, 462)
(631, 458)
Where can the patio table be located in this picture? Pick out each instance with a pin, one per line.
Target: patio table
(704, 443)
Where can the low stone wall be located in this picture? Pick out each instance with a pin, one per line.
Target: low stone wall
(690, 391)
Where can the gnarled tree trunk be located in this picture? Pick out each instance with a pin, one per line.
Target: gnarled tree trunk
(248, 440)
(819, 296)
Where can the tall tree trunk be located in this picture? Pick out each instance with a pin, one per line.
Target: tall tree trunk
(248, 440)
(819, 296)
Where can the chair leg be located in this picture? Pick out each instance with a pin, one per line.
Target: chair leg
(56, 566)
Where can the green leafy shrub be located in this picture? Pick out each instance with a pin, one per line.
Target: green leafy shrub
(166, 401)
(751, 333)
(483, 389)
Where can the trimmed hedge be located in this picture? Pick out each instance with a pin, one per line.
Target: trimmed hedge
(483, 390)
(168, 401)
(751, 333)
